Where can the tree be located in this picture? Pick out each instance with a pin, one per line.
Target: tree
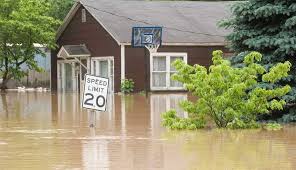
(269, 27)
(23, 23)
(227, 95)
(60, 8)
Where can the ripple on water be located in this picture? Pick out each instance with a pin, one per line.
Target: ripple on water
(104, 138)
(40, 131)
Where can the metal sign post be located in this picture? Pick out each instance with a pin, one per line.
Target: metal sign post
(95, 95)
(92, 118)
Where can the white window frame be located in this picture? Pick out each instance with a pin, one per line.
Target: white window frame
(168, 55)
(107, 58)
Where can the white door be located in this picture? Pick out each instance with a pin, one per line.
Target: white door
(104, 67)
(67, 78)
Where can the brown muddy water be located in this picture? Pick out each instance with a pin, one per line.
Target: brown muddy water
(51, 131)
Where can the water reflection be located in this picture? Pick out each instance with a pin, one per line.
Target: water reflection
(95, 153)
(233, 149)
(44, 130)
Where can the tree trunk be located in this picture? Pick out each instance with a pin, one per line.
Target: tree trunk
(4, 81)
(5, 74)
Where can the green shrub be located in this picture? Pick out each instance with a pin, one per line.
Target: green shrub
(229, 96)
(172, 121)
(273, 126)
(127, 86)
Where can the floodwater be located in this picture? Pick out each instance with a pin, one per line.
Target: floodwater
(51, 131)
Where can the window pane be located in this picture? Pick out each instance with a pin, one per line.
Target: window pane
(159, 79)
(104, 68)
(173, 59)
(94, 68)
(69, 78)
(159, 63)
(175, 83)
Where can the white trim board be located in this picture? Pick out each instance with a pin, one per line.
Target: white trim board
(122, 61)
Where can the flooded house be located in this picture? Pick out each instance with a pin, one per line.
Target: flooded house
(96, 38)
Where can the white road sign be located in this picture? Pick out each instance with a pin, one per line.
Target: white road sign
(95, 93)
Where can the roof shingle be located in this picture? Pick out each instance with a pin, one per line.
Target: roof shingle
(182, 21)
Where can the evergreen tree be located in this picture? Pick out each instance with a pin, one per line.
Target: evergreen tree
(269, 27)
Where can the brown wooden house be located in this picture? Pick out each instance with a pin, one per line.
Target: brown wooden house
(95, 38)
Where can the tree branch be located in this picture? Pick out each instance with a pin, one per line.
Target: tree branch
(26, 54)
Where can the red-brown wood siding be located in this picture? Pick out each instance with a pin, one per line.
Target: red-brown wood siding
(99, 42)
(135, 60)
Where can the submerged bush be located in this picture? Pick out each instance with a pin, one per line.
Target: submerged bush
(272, 126)
(229, 96)
(172, 121)
(127, 86)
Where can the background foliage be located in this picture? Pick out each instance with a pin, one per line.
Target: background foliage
(269, 27)
(60, 8)
(227, 95)
(23, 23)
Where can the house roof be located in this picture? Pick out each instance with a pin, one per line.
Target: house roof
(74, 50)
(183, 22)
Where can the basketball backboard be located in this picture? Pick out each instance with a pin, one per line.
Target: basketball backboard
(144, 36)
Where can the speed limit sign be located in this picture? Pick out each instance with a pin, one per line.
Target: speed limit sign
(95, 93)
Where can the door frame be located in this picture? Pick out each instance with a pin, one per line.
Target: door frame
(108, 58)
(63, 76)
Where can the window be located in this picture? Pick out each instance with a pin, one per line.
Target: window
(83, 15)
(162, 70)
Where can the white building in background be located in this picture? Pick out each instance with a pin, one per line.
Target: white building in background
(34, 78)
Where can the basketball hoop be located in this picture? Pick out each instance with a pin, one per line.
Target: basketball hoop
(150, 38)
(152, 47)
